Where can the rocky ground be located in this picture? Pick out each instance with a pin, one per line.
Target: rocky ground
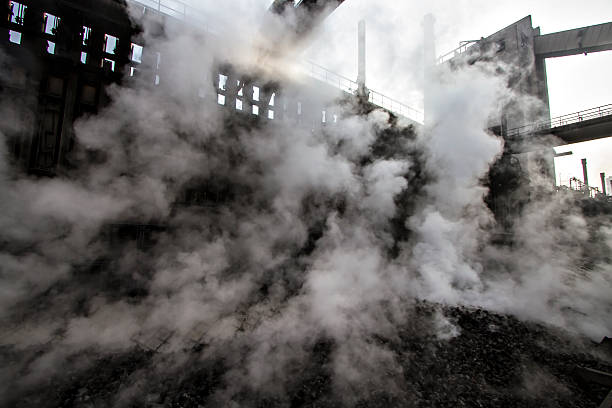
(487, 360)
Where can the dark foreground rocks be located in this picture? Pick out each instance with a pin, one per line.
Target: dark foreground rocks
(481, 360)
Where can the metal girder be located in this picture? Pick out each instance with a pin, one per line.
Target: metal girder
(571, 42)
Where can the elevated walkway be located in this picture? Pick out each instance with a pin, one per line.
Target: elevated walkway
(582, 126)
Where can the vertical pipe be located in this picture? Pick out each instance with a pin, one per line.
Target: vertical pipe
(584, 172)
(429, 54)
(603, 183)
(361, 76)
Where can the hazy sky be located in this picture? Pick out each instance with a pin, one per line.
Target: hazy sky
(394, 53)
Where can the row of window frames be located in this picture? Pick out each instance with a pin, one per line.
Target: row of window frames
(255, 109)
(50, 25)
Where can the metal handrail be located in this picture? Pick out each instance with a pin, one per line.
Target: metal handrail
(576, 117)
(349, 86)
(456, 52)
(183, 11)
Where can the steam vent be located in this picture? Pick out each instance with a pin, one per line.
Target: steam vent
(300, 203)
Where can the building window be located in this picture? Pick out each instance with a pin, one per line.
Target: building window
(256, 93)
(83, 57)
(299, 108)
(107, 62)
(240, 89)
(17, 12)
(157, 80)
(238, 104)
(323, 117)
(136, 54)
(255, 110)
(221, 99)
(272, 99)
(133, 71)
(222, 82)
(86, 34)
(15, 37)
(51, 47)
(110, 44)
(270, 114)
(50, 23)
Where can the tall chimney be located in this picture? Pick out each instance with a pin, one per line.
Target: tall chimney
(603, 183)
(361, 76)
(429, 54)
(584, 172)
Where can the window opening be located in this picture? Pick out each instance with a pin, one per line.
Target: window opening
(158, 62)
(157, 79)
(108, 62)
(50, 23)
(222, 82)
(240, 89)
(272, 99)
(83, 57)
(15, 37)
(323, 116)
(86, 34)
(238, 104)
(299, 108)
(255, 110)
(270, 114)
(136, 53)
(51, 47)
(17, 12)
(221, 99)
(110, 44)
(256, 93)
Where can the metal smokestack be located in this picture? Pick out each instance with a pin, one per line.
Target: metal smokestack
(361, 76)
(603, 183)
(584, 172)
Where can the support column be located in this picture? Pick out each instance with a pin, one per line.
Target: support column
(603, 183)
(429, 55)
(585, 172)
(361, 76)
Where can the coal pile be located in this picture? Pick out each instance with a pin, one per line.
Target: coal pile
(481, 359)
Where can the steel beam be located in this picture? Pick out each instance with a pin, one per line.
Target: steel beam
(572, 42)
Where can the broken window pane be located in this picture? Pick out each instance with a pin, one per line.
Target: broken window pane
(50, 23)
(15, 37)
(272, 99)
(110, 44)
(133, 71)
(136, 53)
(17, 12)
(106, 62)
(222, 82)
(240, 89)
(221, 99)
(83, 57)
(256, 93)
(86, 34)
(50, 47)
(255, 110)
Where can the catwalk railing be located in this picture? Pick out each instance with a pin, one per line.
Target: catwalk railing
(349, 86)
(182, 11)
(572, 118)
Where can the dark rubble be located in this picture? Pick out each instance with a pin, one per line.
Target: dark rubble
(494, 361)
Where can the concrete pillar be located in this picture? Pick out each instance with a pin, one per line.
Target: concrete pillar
(429, 54)
(584, 172)
(361, 76)
(603, 183)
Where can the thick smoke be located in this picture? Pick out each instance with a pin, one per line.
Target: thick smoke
(323, 237)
